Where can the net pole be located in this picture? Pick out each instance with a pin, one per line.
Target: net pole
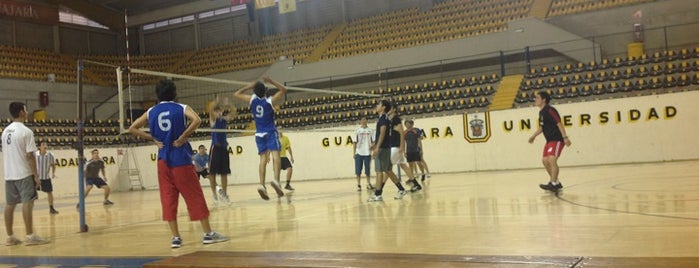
(79, 147)
(128, 61)
(120, 92)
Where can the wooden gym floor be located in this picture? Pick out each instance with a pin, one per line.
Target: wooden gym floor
(635, 215)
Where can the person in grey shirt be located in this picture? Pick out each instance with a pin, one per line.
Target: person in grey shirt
(92, 177)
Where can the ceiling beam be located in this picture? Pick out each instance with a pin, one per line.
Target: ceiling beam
(113, 20)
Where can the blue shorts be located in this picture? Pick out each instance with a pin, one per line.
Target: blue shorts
(99, 182)
(268, 142)
(362, 161)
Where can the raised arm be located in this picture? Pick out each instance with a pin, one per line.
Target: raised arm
(282, 89)
(241, 95)
(211, 111)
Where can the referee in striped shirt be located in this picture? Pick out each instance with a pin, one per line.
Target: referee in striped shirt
(45, 162)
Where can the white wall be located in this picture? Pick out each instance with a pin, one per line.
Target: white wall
(621, 140)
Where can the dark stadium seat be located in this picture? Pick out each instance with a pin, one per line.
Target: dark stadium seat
(684, 80)
(572, 92)
(560, 93)
(585, 91)
(522, 97)
(599, 89)
(613, 87)
(640, 84)
(483, 102)
(576, 80)
(685, 67)
(655, 83)
(642, 71)
(685, 54)
(626, 86)
(614, 75)
(669, 81)
(568, 68)
(656, 70)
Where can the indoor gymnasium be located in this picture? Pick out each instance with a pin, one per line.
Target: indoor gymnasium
(349, 133)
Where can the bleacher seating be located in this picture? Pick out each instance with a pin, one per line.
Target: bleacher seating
(34, 64)
(662, 71)
(411, 27)
(566, 7)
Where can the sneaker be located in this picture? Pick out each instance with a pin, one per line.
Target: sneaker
(416, 188)
(176, 242)
(423, 177)
(548, 187)
(107, 203)
(359, 188)
(375, 198)
(12, 241)
(558, 186)
(225, 199)
(277, 188)
(214, 237)
(288, 187)
(263, 192)
(400, 194)
(370, 187)
(551, 187)
(53, 211)
(219, 190)
(35, 240)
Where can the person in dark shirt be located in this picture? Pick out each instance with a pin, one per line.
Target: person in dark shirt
(219, 160)
(92, 176)
(413, 151)
(381, 152)
(398, 151)
(550, 124)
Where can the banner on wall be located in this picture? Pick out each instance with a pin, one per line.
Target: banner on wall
(28, 11)
(286, 6)
(477, 127)
(264, 3)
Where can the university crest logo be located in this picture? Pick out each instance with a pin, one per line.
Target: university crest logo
(477, 127)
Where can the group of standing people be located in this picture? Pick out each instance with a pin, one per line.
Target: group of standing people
(390, 144)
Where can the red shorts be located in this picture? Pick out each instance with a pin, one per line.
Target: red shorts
(183, 180)
(553, 148)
